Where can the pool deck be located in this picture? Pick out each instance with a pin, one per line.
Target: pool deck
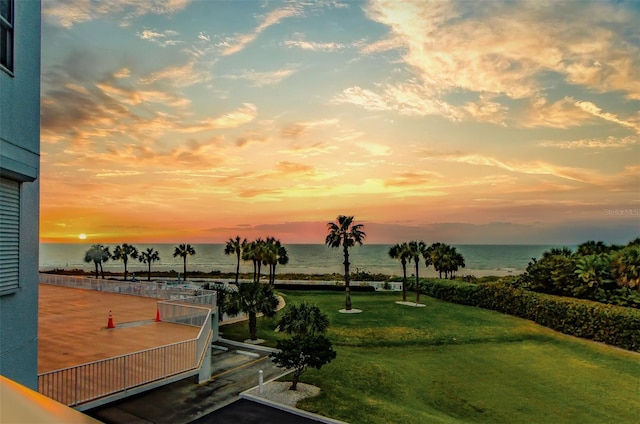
(72, 326)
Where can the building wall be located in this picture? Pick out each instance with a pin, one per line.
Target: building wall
(20, 161)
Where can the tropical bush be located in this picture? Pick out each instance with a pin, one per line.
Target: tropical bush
(595, 271)
(614, 325)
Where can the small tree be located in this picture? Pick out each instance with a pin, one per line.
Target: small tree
(303, 319)
(301, 352)
(253, 299)
(235, 247)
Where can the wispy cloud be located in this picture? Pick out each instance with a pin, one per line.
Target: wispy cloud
(383, 45)
(594, 110)
(608, 143)
(522, 167)
(315, 46)
(272, 18)
(563, 113)
(178, 76)
(409, 98)
(374, 149)
(240, 116)
(164, 38)
(68, 13)
(261, 79)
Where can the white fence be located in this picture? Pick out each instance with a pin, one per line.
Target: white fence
(88, 382)
(83, 383)
(139, 288)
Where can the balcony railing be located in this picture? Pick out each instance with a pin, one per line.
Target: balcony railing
(84, 383)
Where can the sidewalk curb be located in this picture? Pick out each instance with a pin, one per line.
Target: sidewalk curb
(290, 409)
(247, 345)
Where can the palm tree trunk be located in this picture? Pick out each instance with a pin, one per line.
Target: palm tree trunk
(238, 269)
(149, 274)
(125, 270)
(404, 282)
(185, 269)
(96, 264)
(101, 271)
(253, 326)
(255, 270)
(417, 283)
(347, 279)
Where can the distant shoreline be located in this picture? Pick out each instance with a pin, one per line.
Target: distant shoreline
(164, 275)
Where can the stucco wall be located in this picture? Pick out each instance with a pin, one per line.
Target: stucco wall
(20, 160)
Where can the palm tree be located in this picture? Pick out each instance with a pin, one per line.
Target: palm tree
(591, 247)
(416, 249)
(346, 234)
(184, 250)
(147, 257)
(97, 254)
(123, 253)
(303, 319)
(255, 252)
(253, 299)
(625, 267)
(275, 253)
(457, 261)
(235, 246)
(401, 251)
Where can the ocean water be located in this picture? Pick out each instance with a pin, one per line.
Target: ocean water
(303, 258)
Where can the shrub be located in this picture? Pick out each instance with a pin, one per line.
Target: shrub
(614, 325)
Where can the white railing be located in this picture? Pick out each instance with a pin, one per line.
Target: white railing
(83, 383)
(140, 288)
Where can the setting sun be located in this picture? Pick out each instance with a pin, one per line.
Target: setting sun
(82, 236)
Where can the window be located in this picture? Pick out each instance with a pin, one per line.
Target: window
(9, 235)
(6, 34)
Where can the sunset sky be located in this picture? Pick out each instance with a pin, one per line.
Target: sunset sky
(462, 122)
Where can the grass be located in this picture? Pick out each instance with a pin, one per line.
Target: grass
(449, 363)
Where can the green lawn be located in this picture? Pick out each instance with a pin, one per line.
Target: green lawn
(448, 363)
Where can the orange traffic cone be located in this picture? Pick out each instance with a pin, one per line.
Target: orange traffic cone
(110, 323)
(158, 315)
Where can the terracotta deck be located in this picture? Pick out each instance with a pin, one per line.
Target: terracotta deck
(72, 326)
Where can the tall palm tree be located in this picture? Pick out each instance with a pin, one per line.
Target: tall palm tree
(303, 319)
(97, 254)
(123, 253)
(235, 247)
(184, 250)
(255, 252)
(149, 256)
(434, 252)
(253, 299)
(401, 251)
(416, 250)
(275, 254)
(345, 233)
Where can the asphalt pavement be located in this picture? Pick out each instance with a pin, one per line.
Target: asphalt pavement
(234, 371)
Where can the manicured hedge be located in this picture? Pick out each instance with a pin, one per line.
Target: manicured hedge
(614, 325)
(323, 287)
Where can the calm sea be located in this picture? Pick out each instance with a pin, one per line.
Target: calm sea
(303, 258)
